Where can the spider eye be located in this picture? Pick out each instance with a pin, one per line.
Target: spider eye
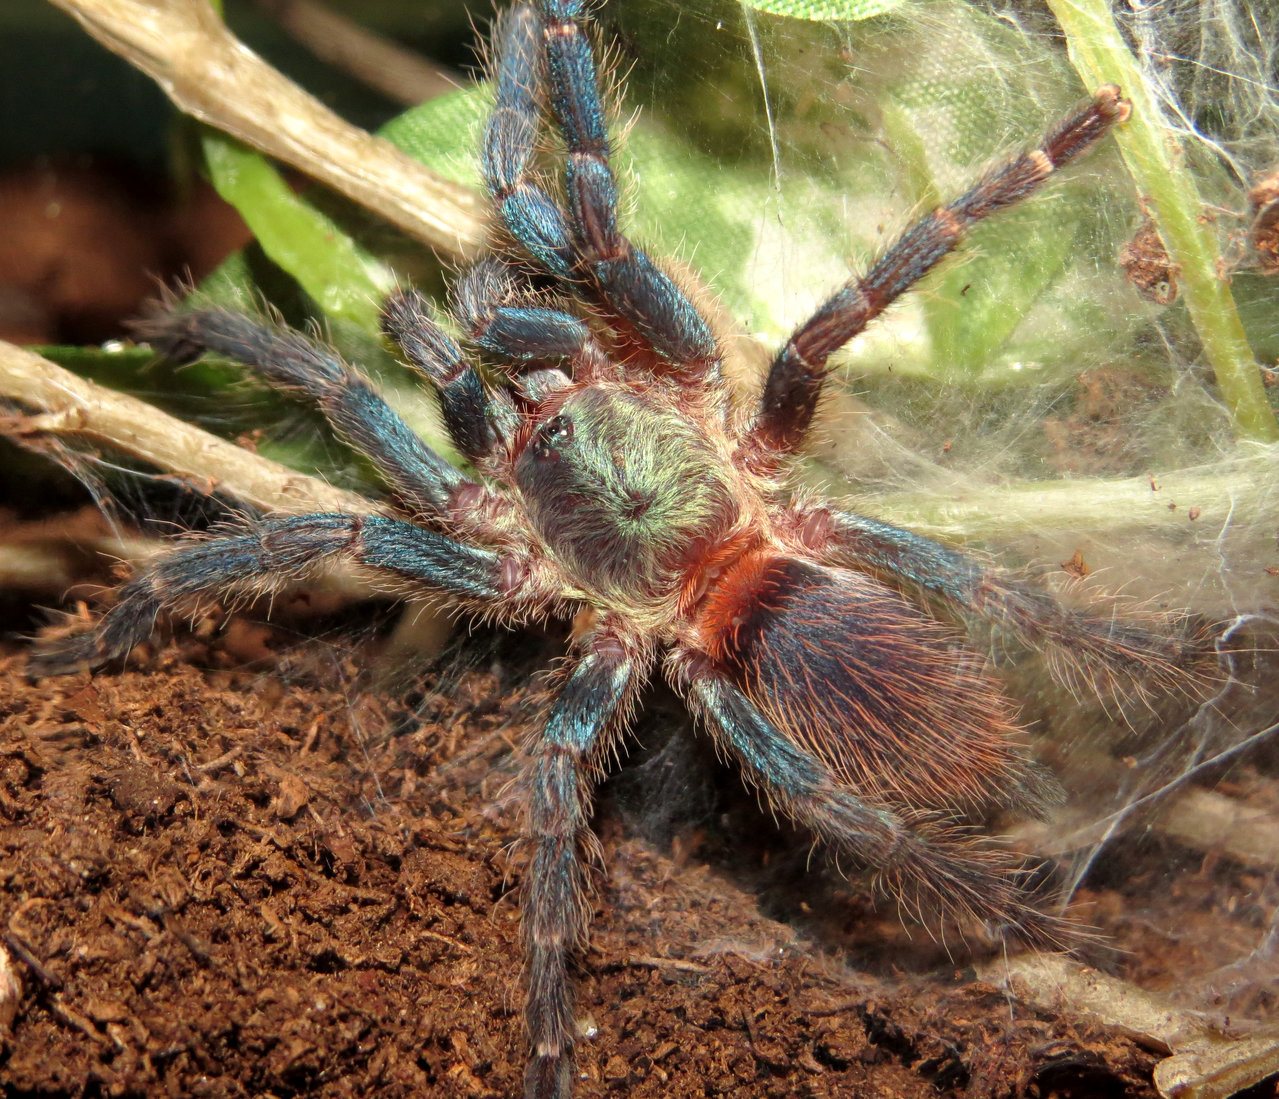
(550, 437)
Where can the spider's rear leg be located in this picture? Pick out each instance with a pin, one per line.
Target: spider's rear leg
(1110, 654)
(794, 384)
(588, 713)
(281, 549)
(547, 49)
(921, 859)
(290, 361)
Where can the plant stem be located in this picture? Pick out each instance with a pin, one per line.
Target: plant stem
(210, 75)
(64, 406)
(1157, 163)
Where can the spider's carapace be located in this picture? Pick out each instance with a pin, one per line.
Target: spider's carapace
(629, 496)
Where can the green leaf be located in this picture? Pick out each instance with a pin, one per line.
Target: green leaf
(345, 281)
(749, 222)
(777, 157)
(445, 133)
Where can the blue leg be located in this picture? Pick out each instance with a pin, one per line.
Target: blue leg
(1100, 653)
(549, 49)
(479, 422)
(289, 361)
(625, 277)
(555, 889)
(919, 858)
(488, 303)
(276, 551)
(527, 211)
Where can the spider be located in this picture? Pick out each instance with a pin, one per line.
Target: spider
(618, 483)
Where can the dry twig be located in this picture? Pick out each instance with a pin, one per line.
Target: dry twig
(211, 75)
(67, 407)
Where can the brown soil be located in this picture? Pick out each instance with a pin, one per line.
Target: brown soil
(219, 881)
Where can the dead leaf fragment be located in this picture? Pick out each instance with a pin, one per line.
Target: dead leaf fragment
(293, 796)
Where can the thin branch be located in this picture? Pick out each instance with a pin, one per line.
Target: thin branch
(211, 75)
(1209, 1057)
(1245, 484)
(399, 74)
(1158, 167)
(65, 406)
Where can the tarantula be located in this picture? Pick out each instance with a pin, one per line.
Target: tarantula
(618, 483)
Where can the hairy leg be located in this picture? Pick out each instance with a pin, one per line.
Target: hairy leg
(290, 361)
(525, 209)
(525, 331)
(545, 48)
(554, 894)
(1109, 654)
(922, 860)
(277, 550)
(480, 423)
(794, 384)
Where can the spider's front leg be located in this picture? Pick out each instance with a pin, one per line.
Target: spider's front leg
(588, 713)
(544, 47)
(479, 422)
(281, 549)
(292, 362)
(523, 330)
(795, 379)
(498, 319)
(510, 143)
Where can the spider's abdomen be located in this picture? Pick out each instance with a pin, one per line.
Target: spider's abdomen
(886, 696)
(627, 494)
